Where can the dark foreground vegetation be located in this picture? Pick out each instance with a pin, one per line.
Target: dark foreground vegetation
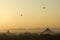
(29, 36)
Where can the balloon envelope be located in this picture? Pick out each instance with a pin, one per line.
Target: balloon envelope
(43, 7)
(21, 15)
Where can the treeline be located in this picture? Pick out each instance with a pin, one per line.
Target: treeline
(29, 36)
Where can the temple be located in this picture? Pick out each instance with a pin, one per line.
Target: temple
(48, 31)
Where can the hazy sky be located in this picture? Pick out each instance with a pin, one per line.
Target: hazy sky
(33, 14)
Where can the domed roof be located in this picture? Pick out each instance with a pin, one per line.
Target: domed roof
(47, 31)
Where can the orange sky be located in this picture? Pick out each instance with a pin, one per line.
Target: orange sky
(34, 16)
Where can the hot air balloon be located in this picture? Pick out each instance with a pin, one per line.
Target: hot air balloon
(44, 7)
(21, 15)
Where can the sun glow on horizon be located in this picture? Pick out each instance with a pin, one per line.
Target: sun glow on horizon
(34, 16)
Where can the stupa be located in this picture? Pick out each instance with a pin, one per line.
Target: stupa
(48, 31)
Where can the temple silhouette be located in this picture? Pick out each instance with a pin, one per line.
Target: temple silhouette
(31, 36)
(48, 31)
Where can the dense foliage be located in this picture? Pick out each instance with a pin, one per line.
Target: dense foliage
(29, 36)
